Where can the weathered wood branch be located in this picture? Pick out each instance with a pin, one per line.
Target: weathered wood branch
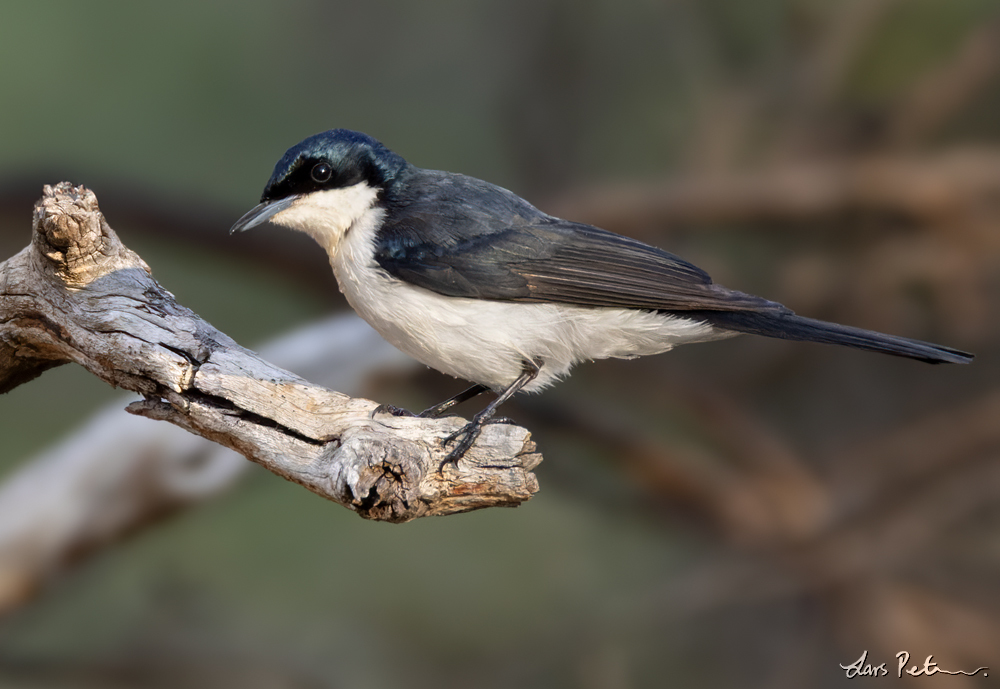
(119, 474)
(77, 294)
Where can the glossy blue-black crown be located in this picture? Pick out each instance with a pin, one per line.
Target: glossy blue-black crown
(349, 158)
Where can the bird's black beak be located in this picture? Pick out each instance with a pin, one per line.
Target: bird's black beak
(262, 212)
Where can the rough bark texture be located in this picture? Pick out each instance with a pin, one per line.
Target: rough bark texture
(118, 474)
(77, 294)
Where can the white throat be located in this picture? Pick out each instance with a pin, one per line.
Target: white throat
(327, 215)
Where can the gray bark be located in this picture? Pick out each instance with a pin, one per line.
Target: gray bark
(120, 473)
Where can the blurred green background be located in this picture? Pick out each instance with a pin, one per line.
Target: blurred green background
(174, 114)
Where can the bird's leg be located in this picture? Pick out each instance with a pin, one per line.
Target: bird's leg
(470, 431)
(467, 394)
(437, 409)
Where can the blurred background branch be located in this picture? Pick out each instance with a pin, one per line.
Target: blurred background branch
(121, 473)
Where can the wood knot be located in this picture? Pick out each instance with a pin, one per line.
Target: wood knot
(67, 216)
(71, 234)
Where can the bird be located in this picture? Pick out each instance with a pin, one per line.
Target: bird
(472, 280)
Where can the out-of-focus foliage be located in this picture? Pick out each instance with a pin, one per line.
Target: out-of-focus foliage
(747, 513)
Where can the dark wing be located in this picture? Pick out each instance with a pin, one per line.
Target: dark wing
(465, 238)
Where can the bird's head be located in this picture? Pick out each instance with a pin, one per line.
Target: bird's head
(326, 183)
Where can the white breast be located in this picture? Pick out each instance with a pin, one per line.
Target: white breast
(481, 341)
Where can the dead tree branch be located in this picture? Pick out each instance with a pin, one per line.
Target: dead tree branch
(78, 294)
(120, 473)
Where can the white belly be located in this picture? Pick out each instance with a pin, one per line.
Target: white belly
(488, 342)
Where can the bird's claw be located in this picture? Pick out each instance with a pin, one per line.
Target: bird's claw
(468, 434)
(392, 410)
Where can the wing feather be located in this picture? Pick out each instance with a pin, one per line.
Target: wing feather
(504, 249)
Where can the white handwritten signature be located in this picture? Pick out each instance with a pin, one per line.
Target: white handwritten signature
(862, 668)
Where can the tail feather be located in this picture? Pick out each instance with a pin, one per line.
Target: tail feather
(788, 326)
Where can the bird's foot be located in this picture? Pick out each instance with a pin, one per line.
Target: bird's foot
(466, 436)
(468, 433)
(393, 410)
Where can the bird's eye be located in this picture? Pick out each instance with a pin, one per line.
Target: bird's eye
(321, 173)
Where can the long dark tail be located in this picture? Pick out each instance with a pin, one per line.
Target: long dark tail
(787, 326)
